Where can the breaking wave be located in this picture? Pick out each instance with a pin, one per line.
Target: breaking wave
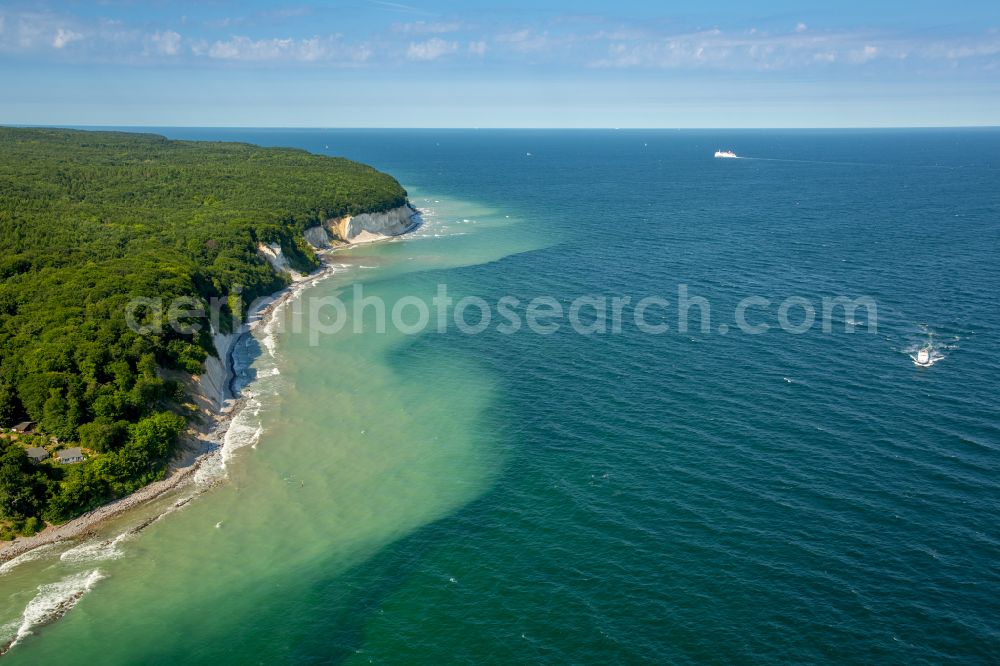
(30, 556)
(52, 602)
(96, 551)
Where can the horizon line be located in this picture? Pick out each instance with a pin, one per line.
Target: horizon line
(488, 128)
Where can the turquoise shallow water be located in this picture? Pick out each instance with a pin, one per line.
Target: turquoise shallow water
(629, 497)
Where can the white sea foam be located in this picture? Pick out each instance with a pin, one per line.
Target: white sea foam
(238, 438)
(52, 602)
(30, 556)
(176, 506)
(268, 340)
(244, 430)
(96, 551)
(210, 470)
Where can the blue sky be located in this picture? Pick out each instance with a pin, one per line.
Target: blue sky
(442, 63)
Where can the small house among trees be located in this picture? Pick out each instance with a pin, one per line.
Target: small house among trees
(36, 454)
(73, 455)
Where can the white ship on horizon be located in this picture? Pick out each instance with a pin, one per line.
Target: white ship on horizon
(726, 154)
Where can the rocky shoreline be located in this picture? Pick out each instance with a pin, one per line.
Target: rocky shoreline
(202, 446)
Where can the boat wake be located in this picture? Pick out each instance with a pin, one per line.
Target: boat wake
(928, 351)
(925, 357)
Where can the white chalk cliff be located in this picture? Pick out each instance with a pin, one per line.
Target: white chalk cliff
(363, 228)
(317, 236)
(211, 389)
(274, 256)
(369, 227)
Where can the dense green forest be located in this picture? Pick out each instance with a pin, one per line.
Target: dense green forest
(92, 220)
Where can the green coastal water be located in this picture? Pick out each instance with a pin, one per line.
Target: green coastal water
(334, 458)
(686, 496)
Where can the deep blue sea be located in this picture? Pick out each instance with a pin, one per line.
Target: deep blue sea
(794, 495)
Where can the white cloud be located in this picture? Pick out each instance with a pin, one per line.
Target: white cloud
(532, 41)
(595, 42)
(314, 49)
(64, 37)
(864, 54)
(427, 27)
(984, 49)
(244, 48)
(31, 31)
(432, 49)
(225, 22)
(524, 40)
(165, 43)
(760, 50)
(514, 37)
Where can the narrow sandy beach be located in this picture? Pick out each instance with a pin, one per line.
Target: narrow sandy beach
(203, 442)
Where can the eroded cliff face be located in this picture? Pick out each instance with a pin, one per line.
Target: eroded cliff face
(212, 385)
(369, 227)
(317, 236)
(210, 389)
(274, 256)
(364, 228)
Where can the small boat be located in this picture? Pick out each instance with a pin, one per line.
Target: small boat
(923, 358)
(726, 154)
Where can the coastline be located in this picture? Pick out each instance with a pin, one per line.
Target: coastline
(209, 437)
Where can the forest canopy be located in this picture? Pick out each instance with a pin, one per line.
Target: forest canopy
(92, 220)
